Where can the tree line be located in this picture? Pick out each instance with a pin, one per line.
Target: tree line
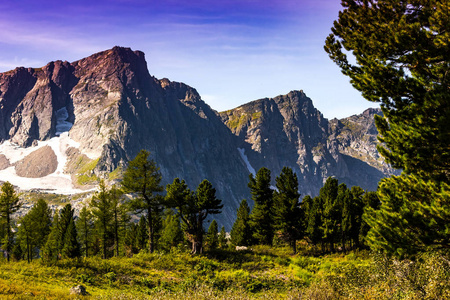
(106, 226)
(334, 220)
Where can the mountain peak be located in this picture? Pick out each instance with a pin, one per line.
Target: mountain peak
(126, 53)
(113, 60)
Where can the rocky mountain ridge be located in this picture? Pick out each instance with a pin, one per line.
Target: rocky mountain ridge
(288, 130)
(98, 112)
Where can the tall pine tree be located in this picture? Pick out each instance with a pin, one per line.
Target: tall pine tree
(223, 238)
(51, 252)
(331, 217)
(212, 236)
(34, 228)
(288, 215)
(314, 216)
(67, 243)
(9, 204)
(241, 234)
(71, 248)
(401, 55)
(103, 214)
(171, 234)
(193, 208)
(262, 213)
(143, 178)
(85, 228)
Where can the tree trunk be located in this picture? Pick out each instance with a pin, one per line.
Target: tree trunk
(294, 246)
(197, 244)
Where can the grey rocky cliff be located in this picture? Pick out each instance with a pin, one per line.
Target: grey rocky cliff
(117, 108)
(288, 131)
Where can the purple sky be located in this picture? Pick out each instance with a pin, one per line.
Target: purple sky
(231, 51)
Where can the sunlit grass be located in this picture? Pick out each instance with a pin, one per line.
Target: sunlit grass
(262, 273)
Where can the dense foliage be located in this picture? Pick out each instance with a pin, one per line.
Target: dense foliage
(142, 177)
(402, 60)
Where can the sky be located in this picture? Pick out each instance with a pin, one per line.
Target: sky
(230, 51)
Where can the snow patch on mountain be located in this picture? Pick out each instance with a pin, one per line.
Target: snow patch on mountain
(57, 182)
(246, 161)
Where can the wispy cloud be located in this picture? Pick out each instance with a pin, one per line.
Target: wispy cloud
(41, 36)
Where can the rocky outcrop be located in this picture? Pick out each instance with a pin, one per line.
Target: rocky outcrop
(38, 163)
(29, 99)
(288, 131)
(4, 162)
(357, 137)
(112, 108)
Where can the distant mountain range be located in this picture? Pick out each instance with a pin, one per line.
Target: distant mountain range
(65, 125)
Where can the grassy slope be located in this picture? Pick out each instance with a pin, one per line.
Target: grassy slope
(263, 274)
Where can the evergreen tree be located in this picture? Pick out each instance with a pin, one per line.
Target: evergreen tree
(141, 234)
(130, 245)
(212, 236)
(85, 228)
(171, 234)
(240, 232)
(124, 225)
(401, 53)
(143, 178)
(67, 243)
(102, 210)
(40, 215)
(9, 204)
(222, 238)
(348, 223)
(370, 203)
(117, 210)
(71, 248)
(357, 210)
(287, 211)
(65, 215)
(24, 239)
(34, 229)
(332, 213)
(262, 213)
(405, 226)
(314, 231)
(306, 206)
(193, 209)
(51, 251)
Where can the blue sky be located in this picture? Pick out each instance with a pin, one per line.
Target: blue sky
(231, 51)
